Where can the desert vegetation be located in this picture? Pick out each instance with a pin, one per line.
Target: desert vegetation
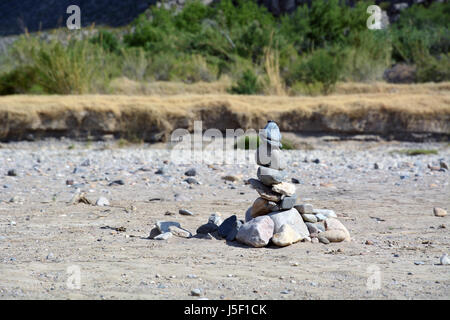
(236, 47)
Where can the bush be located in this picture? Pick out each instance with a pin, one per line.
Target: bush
(107, 40)
(19, 81)
(247, 84)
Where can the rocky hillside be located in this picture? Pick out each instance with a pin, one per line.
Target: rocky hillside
(18, 16)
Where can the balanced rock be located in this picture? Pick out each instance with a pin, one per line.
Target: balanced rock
(271, 134)
(261, 207)
(270, 176)
(287, 203)
(309, 218)
(270, 157)
(285, 188)
(334, 224)
(248, 214)
(256, 232)
(264, 191)
(286, 236)
(292, 218)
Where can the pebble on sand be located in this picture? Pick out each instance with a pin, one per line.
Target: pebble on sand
(439, 212)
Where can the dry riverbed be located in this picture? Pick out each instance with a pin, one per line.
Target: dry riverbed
(45, 239)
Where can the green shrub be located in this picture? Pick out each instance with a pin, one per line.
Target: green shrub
(21, 80)
(107, 40)
(248, 83)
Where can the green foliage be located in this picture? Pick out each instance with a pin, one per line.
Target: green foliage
(107, 40)
(248, 83)
(19, 81)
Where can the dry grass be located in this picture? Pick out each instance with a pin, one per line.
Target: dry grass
(381, 113)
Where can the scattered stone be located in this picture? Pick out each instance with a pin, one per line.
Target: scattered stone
(70, 182)
(444, 260)
(232, 234)
(333, 235)
(304, 208)
(117, 183)
(196, 292)
(163, 236)
(162, 170)
(163, 226)
(285, 188)
(264, 191)
(191, 180)
(185, 212)
(12, 173)
(287, 203)
(377, 166)
(335, 224)
(232, 178)
(257, 232)
(270, 176)
(418, 263)
(291, 217)
(86, 163)
(180, 232)
(191, 172)
(439, 212)
(227, 226)
(295, 180)
(286, 236)
(369, 242)
(207, 228)
(17, 200)
(102, 201)
(443, 165)
(309, 218)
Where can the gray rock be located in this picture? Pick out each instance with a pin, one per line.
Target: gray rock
(12, 173)
(163, 226)
(102, 201)
(269, 176)
(305, 208)
(185, 212)
(288, 203)
(323, 240)
(162, 170)
(227, 226)
(163, 236)
(119, 182)
(270, 157)
(257, 232)
(207, 228)
(154, 232)
(248, 214)
(191, 180)
(309, 218)
(321, 217)
(196, 292)
(315, 227)
(291, 217)
(191, 172)
(232, 234)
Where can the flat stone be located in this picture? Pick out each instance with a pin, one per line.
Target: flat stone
(291, 217)
(180, 232)
(270, 176)
(227, 226)
(207, 228)
(286, 236)
(256, 232)
(191, 180)
(285, 188)
(333, 235)
(185, 212)
(264, 191)
(326, 212)
(271, 133)
(321, 217)
(335, 224)
(323, 240)
(163, 236)
(309, 218)
(288, 203)
(439, 212)
(262, 206)
(304, 208)
(102, 201)
(163, 226)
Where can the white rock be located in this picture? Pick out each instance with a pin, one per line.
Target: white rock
(291, 217)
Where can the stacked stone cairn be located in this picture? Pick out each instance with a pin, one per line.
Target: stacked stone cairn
(274, 217)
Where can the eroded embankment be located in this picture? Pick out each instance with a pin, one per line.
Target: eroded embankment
(153, 118)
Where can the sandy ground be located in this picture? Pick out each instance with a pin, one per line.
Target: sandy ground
(45, 240)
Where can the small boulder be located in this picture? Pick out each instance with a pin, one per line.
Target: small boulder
(227, 226)
(286, 236)
(257, 232)
(439, 212)
(261, 207)
(333, 235)
(334, 224)
(288, 203)
(291, 217)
